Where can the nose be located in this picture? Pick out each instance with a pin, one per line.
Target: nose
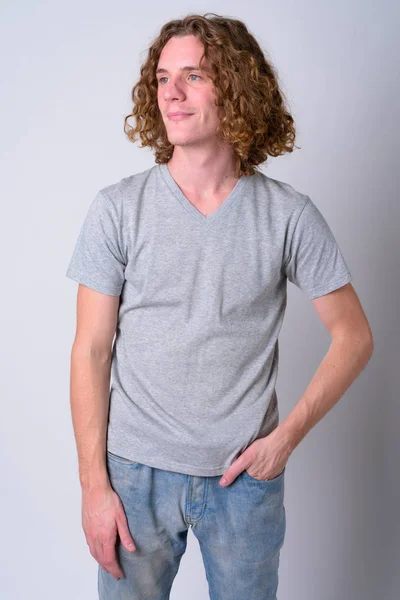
(173, 91)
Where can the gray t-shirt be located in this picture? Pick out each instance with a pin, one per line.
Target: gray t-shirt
(195, 358)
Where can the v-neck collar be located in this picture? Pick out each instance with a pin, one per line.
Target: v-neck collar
(185, 202)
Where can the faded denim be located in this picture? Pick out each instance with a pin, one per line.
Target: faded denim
(240, 529)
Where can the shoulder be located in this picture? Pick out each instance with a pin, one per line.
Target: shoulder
(127, 189)
(282, 197)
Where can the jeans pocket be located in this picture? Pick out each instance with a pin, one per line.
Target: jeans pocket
(121, 459)
(264, 481)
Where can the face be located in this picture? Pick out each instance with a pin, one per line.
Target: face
(183, 89)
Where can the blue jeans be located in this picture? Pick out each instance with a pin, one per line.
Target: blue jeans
(240, 529)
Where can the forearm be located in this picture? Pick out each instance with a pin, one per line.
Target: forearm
(341, 365)
(89, 395)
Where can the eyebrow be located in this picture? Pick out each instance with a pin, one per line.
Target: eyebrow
(187, 68)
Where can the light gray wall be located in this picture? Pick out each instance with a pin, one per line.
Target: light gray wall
(67, 72)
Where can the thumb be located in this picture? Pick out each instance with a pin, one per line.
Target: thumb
(124, 533)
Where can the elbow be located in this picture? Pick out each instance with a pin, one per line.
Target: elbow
(365, 342)
(91, 351)
(360, 339)
(370, 346)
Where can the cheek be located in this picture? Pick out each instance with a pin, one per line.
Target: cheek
(212, 116)
(160, 95)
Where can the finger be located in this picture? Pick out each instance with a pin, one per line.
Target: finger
(93, 551)
(109, 560)
(123, 530)
(96, 550)
(234, 470)
(229, 476)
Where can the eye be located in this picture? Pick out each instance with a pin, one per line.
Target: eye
(191, 75)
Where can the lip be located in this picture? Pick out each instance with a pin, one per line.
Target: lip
(178, 116)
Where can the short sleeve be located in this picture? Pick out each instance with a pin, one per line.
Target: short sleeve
(315, 263)
(97, 261)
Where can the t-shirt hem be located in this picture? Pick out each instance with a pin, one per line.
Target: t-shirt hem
(334, 285)
(159, 463)
(98, 287)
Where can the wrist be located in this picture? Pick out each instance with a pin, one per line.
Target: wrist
(292, 433)
(94, 479)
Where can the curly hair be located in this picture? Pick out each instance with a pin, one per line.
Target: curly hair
(251, 107)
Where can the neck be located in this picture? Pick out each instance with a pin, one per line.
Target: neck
(204, 176)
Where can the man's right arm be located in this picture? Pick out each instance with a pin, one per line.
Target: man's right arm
(103, 514)
(90, 382)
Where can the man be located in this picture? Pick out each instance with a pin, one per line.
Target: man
(187, 263)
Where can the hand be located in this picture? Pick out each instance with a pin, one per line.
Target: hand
(103, 516)
(267, 457)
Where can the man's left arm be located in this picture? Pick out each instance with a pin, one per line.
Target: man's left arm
(350, 350)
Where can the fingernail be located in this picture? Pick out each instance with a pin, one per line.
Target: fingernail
(224, 481)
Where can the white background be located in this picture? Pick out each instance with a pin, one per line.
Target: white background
(66, 76)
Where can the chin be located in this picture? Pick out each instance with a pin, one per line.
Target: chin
(177, 140)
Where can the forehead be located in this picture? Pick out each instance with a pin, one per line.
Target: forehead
(181, 51)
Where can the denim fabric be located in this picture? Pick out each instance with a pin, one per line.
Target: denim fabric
(240, 529)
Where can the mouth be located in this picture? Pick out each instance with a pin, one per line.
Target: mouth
(179, 116)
